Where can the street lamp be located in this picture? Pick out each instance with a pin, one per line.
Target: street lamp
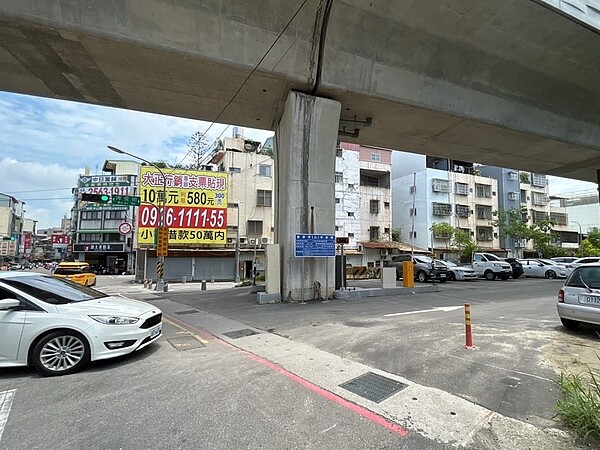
(579, 239)
(237, 242)
(161, 259)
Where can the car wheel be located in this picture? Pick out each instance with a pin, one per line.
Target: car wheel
(61, 353)
(551, 274)
(489, 275)
(421, 277)
(570, 324)
(505, 277)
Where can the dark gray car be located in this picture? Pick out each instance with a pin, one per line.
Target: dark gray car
(425, 268)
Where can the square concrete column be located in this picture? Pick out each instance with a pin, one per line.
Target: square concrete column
(305, 144)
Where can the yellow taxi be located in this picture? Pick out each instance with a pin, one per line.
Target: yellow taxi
(78, 272)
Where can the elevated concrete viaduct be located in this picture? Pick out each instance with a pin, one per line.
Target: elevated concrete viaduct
(511, 83)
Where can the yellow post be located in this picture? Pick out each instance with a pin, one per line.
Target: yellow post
(408, 274)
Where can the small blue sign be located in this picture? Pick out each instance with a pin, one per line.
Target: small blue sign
(314, 245)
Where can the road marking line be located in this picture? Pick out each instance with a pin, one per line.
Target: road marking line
(176, 325)
(6, 401)
(440, 308)
(502, 368)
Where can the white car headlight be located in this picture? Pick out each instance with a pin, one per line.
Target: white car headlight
(115, 320)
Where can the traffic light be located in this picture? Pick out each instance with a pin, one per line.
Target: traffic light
(97, 198)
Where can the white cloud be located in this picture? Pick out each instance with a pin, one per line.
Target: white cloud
(559, 185)
(45, 144)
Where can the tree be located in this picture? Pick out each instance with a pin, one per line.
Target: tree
(590, 246)
(524, 177)
(444, 230)
(465, 245)
(396, 234)
(544, 238)
(198, 147)
(511, 224)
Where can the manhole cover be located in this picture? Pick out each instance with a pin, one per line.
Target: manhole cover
(373, 387)
(187, 311)
(185, 343)
(240, 333)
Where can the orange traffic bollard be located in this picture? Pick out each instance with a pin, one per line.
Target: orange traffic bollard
(468, 334)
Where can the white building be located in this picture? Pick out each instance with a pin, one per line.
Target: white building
(363, 203)
(430, 196)
(583, 210)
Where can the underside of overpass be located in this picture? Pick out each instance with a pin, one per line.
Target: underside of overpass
(510, 83)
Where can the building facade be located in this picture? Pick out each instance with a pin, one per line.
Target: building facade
(12, 217)
(363, 203)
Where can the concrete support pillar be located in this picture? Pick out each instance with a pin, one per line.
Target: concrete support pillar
(305, 143)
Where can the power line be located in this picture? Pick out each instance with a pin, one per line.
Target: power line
(249, 75)
(39, 190)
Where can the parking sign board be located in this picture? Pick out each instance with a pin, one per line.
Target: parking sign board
(314, 245)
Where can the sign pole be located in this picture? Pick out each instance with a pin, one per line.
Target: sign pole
(302, 302)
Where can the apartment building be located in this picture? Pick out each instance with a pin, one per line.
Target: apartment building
(583, 210)
(12, 216)
(363, 203)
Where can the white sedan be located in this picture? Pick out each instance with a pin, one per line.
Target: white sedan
(461, 273)
(58, 326)
(542, 268)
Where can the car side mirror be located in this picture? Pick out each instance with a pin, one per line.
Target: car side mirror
(9, 303)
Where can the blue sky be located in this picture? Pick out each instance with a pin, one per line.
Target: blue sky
(45, 144)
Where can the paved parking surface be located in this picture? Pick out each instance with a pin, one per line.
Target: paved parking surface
(213, 397)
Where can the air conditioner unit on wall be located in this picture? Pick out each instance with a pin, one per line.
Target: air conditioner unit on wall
(253, 241)
(264, 240)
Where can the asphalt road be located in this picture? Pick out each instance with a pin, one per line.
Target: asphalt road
(213, 397)
(515, 329)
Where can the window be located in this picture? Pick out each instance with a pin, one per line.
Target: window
(386, 230)
(440, 185)
(337, 228)
(263, 198)
(338, 152)
(539, 216)
(442, 209)
(483, 190)
(374, 206)
(484, 212)
(374, 233)
(375, 156)
(254, 227)
(461, 188)
(337, 200)
(91, 215)
(463, 210)
(558, 218)
(113, 237)
(264, 170)
(90, 237)
(234, 170)
(485, 233)
(350, 214)
(367, 180)
(350, 235)
(540, 199)
(513, 196)
(513, 176)
(538, 180)
(339, 177)
(115, 214)
(386, 205)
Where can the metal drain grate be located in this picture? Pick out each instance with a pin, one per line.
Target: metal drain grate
(187, 311)
(183, 343)
(240, 333)
(373, 387)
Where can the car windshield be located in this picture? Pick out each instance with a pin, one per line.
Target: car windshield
(548, 262)
(56, 291)
(585, 277)
(423, 259)
(491, 257)
(449, 263)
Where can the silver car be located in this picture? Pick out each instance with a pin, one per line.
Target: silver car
(457, 272)
(586, 260)
(542, 268)
(579, 298)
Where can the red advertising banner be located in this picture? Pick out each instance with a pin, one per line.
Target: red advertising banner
(60, 239)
